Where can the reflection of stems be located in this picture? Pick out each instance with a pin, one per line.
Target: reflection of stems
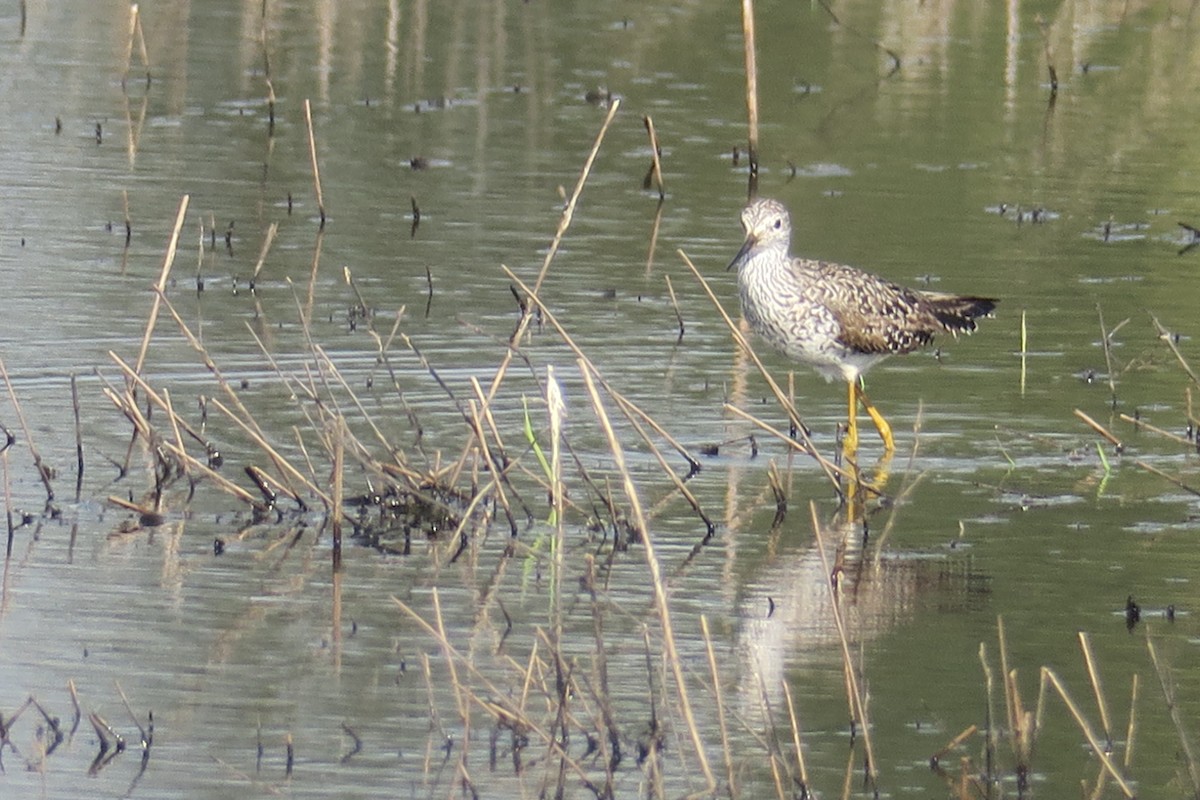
(858, 704)
(656, 579)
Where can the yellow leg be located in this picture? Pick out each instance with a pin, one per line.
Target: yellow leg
(881, 424)
(850, 440)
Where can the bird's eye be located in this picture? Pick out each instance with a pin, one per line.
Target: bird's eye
(778, 224)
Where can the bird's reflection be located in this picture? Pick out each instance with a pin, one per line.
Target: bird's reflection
(786, 614)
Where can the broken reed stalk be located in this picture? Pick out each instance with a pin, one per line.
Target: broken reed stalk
(859, 705)
(1169, 338)
(312, 156)
(656, 157)
(790, 409)
(715, 676)
(748, 47)
(1167, 685)
(661, 602)
(953, 743)
(44, 472)
(1089, 660)
(1098, 749)
(1100, 429)
(161, 286)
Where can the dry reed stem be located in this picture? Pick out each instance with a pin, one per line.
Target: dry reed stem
(320, 355)
(799, 447)
(1086, 729)
(244, 419)
(1131, 730)
(796, 743)
(133, 413)
(1170, 478)
(312, 157)
(1167, 685)
(1100, 429)
(652, 246)
(173, 419)
(564, 222)
(42, 470)
(129, 406)
(1106, 340)
(859, 708)
(1022, 725)
(1089, 660)
(785, 404)
(953, 743)
(748, 48)
(266, 247)
(721, 724)
(1167, 337)
(1141, 423)
(675, 308)
(628, 408)
(656, 157)
(660, 593)
(161, 286)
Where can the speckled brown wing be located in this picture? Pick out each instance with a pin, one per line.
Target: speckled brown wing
(879, 317)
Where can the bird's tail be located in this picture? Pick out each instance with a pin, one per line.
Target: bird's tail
(957, 313)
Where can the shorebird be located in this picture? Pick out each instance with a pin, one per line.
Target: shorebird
(838, 320)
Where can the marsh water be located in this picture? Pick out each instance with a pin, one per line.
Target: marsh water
(923, 141)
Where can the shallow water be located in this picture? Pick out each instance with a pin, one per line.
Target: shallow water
(931, 176)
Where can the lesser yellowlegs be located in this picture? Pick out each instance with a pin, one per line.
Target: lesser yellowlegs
(837, 319)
